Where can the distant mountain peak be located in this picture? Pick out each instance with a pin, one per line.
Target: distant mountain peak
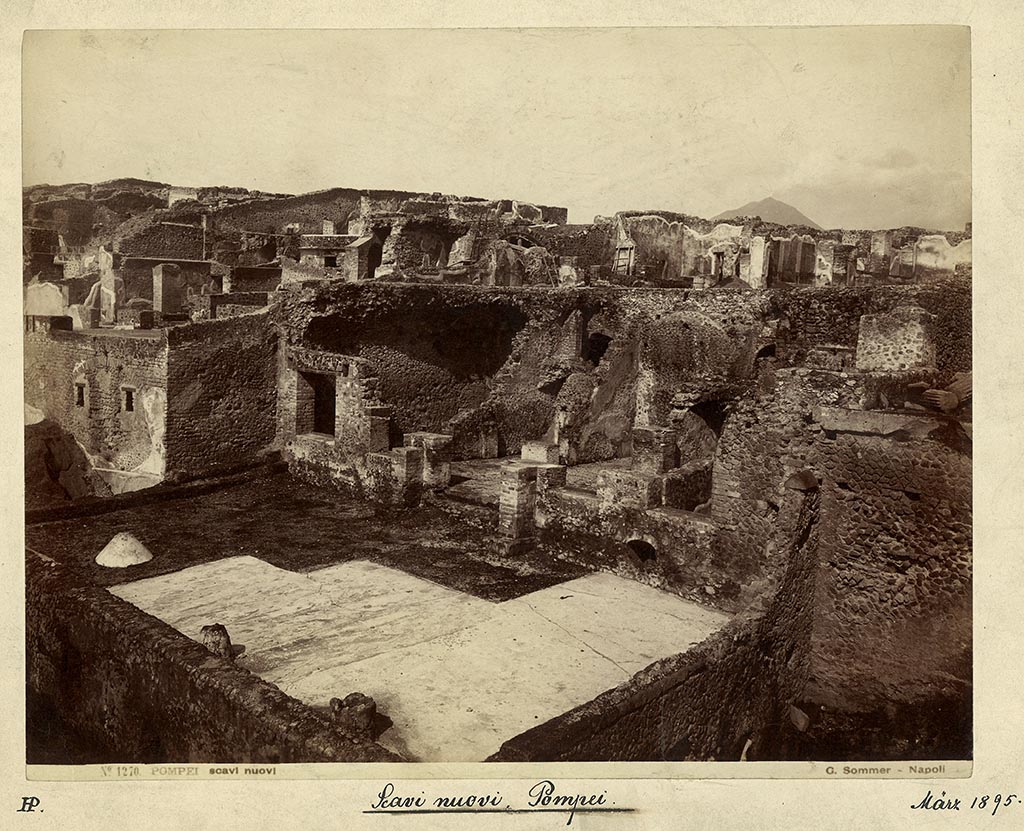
(770, 209)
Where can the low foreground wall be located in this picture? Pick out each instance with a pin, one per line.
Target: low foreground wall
(136, 690)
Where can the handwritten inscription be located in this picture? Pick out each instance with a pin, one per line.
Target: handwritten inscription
(947, 802)
(544, 796)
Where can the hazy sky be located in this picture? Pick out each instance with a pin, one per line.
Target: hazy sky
(857, 127)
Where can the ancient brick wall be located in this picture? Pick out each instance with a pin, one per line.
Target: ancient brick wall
(472, 359)
(79, 380)
(896, 341)
(133, 689)
(433, 354)
(247, 279)
(584, 531)
(893, 608)
(221, 383)
(307, 210)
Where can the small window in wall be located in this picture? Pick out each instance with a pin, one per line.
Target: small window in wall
(79, 395)
(128, 399)
(331, 262)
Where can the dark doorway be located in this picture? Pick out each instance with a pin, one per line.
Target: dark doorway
(595, 346)
(374, 255)
(713, 413)
(323, 402)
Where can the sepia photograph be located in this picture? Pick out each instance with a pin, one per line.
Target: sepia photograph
(498, 395)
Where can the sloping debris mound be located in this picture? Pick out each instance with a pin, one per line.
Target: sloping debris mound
(56, 469)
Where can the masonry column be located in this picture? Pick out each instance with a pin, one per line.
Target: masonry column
(168, 289)
(654, 449)
(437, 468)
(517, 505)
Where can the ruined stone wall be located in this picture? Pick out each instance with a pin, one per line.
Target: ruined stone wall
(133, 689)
(691, 353)
(584, 531)
(233, 303)
(673, 710)
(160, 239)
(659, 245)
(893, 608)
(138, 278)
(895, 591)
(433, 350)
(247, 279)
(56, 468)
(591, 245)
(306, 210)
(811, 317)
(760, 446)
(471, 359)
(57, 362)
(221, 390)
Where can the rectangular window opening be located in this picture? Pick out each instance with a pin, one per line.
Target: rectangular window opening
(128, 399)
(331, 262)
(79, 395)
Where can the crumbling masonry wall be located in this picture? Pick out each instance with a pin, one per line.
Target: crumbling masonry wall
(892, 642)
(222, 387)
(136, 690)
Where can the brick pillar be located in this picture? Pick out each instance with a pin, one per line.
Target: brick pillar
(517, 501)
(407, 464)
(437, 467)
(654, 449)
(304, 402)
(378, 437)
(168, 289)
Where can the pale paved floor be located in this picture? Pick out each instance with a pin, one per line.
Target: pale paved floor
(456, 674)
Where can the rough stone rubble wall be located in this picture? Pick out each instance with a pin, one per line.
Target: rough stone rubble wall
(136, 690)
(222, 380)
(897, 590)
